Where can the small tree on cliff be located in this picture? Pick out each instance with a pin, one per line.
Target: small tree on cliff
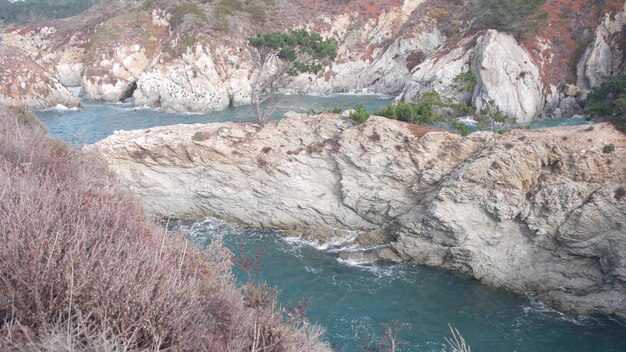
(278, 57)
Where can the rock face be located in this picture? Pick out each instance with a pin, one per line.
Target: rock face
(66, 63)
(192, 57)
(121, 49)
(195, 83)
(532, 211)
(179, 65)
(212, 74)
(25, 84)
(503, 75)
(604, 57)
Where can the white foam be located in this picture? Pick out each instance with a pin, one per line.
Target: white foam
(354, 263)
(538, 307)
(61, 107)
(332, 243)
(467, 120)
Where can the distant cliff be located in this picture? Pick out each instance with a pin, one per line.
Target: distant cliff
(531, 211)
(193, 57)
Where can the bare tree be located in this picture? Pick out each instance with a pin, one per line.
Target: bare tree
(277, 58)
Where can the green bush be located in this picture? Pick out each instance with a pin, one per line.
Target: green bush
(609, 148)
(491, 118)
(609, 101)
(518, 17)
(181, 11)
(359, 115)
(199, 137)
(465, 81)
(429, 109)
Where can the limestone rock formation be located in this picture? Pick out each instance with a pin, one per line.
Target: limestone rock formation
(177, 56)
(194, 83)
(506, 75)
(66, 63)
(25, 84)
(121, 49)
(604, 56)
(531, 211)
(60, 46)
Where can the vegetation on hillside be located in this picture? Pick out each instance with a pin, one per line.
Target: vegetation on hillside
(82, 269)
(31, 10)
(609, 101)
(518, 17)
(435, 110)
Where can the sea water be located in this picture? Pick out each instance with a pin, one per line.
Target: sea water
(354, 301)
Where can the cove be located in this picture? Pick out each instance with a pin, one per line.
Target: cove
(353, 301)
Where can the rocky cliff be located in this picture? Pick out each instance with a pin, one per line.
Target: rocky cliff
(25, 84)
(192, 57)
(532, 211)
(604, 56)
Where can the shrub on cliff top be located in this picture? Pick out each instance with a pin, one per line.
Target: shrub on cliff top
(359, 115)
(431, 108)
(83, 269)
(609, 101)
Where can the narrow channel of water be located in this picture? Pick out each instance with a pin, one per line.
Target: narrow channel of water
(354, 301)
(96, 121)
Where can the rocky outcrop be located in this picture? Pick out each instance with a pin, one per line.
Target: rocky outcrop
(532, 211)
(604, 57)
(60, 46)
(25, 84)
(121, 49)
(485, 70)
(66, 63)
(195, 83)
(191, 56)
(212, 73)
(181, 66)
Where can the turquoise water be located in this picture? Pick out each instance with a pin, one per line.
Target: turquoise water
(96, 121)
(353, 302)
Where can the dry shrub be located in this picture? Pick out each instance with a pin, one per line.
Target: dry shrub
(82, 268)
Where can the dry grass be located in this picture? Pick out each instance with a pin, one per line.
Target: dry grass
(82, 269)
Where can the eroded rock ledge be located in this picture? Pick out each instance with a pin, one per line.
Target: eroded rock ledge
(532, 211)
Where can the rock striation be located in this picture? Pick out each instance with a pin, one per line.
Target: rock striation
(489, 69)
(604, 57)
(539, 212)
(25, 84)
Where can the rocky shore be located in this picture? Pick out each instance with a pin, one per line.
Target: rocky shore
(538, 212)
(171, 56)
